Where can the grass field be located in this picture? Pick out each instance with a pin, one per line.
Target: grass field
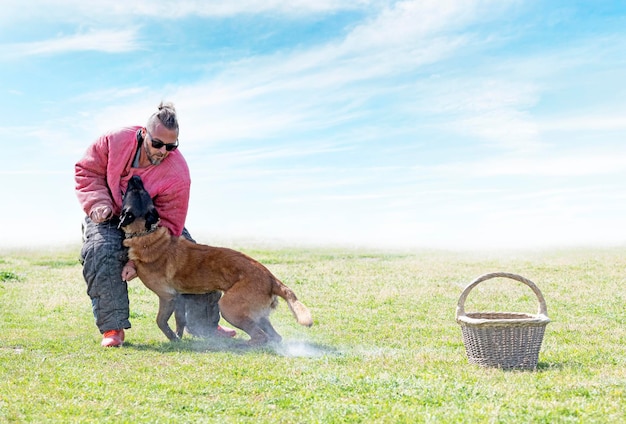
(385, 346)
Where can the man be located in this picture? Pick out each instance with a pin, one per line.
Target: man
(102, 176)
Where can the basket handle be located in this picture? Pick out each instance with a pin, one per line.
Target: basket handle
(460, 307)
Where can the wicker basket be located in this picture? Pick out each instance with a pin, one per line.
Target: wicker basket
(505, 340)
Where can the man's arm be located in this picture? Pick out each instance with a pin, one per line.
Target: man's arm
(91, 186)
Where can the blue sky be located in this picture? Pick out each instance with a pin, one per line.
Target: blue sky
(444, 124)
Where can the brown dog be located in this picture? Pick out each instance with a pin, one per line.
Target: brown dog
(170, 265)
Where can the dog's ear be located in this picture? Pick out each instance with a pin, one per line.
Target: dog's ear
(126, 218)
(152, 218)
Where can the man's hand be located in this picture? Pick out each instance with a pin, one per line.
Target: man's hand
(129, 271)
(100, 214)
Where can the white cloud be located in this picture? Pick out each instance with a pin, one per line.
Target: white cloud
(405, 22)
(106, 41)
(508, 129)
(323, 85)
(316, 87)
(610, 121)
(228, 8)
(80, 12)
(546, 163)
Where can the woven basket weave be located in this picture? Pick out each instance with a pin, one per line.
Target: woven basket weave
(508, 340)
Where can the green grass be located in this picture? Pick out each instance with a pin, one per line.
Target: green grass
(385, 346)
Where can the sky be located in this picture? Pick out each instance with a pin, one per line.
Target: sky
(367, 123)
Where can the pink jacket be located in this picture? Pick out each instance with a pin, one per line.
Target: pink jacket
(102, 176)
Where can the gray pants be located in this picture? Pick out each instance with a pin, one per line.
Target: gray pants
(103, 256)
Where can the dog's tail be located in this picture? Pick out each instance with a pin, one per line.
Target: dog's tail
(301, 312)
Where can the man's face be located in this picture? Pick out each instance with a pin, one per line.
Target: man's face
(158, 142)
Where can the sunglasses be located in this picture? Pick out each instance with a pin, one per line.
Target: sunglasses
(157, 144)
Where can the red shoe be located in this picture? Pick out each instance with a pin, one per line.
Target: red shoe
(113, 338)
(225, 332)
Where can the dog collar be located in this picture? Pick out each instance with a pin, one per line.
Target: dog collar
(142, 233)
